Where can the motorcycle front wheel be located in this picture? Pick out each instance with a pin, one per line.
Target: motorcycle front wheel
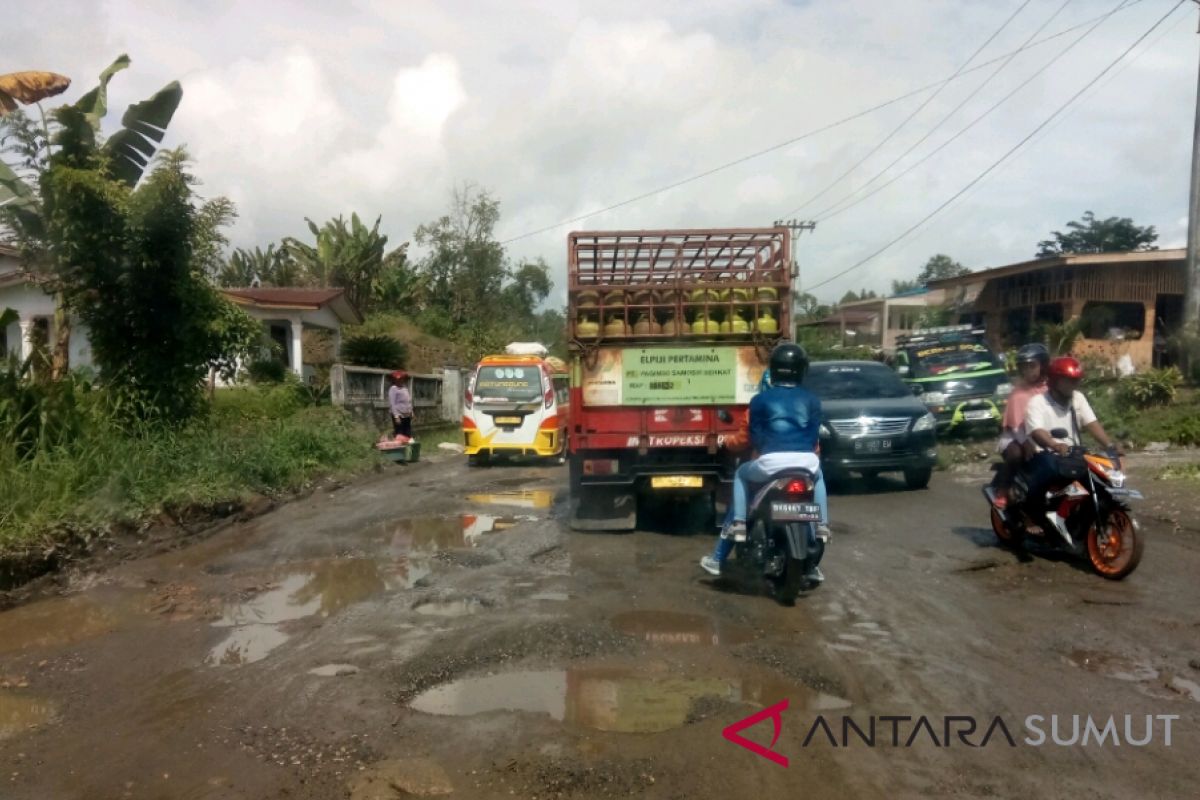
(1116, 551)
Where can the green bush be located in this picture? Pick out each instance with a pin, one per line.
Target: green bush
(1154, 387)
(266, 370)
(375, 350)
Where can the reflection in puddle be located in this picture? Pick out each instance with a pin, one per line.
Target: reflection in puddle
(534, 498)
(324, 588)
(1114, 666)
(450, 608)
(434, 534)
(19, 712)
(1189, 689)
(610, 699)
(557, 597)
(669, 627)
(246, 644)
(65, 620)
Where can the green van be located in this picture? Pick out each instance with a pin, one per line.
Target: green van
(953, 371)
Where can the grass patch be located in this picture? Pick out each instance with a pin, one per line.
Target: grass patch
(1181, 472)
(262, 441)
(1177, 423)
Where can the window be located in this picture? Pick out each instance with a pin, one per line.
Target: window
(1113, 320)
(1016, 326)
(854, 382)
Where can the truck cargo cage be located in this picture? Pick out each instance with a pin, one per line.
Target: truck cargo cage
(670, 284)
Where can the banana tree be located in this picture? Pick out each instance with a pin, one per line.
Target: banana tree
(123, 157)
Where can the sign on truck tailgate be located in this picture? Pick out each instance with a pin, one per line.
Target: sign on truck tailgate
(665, 376)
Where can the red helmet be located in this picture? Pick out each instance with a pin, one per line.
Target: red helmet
(1066, 367)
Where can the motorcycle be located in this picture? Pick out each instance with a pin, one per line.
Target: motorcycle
(1085, 512)
(781, 541)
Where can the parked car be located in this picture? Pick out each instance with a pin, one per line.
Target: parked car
(872, 423)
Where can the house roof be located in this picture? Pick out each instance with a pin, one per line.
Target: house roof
(297, 299)
(1073, 259)
(851, 317)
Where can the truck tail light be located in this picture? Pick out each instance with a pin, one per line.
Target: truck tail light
(601, 466)
(467, 398)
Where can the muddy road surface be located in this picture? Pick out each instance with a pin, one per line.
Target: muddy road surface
(435, 630)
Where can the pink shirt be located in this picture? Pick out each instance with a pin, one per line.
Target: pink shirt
(1018, 402)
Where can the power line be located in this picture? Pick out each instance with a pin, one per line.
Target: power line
(914, 113)
(970, 124)
(803, 136)
(822, 213)
(1070, 101)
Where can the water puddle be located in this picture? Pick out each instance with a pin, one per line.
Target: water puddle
(324, 589)
(534, 498)
(554, 597)
(20, 712)
(246, 644)
(435, 534)
(66, 620)
(1113, 666)
(450, 608)
(610, 699)
(669, 627)
(1185, 687)
(334, 670)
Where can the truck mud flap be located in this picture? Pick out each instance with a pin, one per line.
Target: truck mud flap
(603, 508)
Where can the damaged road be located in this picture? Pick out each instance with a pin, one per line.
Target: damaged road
(436, 630)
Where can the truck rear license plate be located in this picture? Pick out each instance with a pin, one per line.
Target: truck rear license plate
(677, 482)
(872, 445)
(977, 414)
(508, 420)
(795, 512)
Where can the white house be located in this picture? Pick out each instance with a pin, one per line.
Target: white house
(35, 314)
(285, 313)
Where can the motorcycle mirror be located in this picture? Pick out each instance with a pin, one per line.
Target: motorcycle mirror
(724, 416)
(1060, 433)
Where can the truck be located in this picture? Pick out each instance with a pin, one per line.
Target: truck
(669, 334)
(954, 372)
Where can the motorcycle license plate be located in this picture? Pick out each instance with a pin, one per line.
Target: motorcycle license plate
(977, 414)
(795, 512)
(872, 445)
(508, 420)
(677, 482)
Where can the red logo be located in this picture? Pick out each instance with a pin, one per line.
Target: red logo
(775, 713)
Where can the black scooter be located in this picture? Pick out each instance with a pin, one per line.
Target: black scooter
(781, 541)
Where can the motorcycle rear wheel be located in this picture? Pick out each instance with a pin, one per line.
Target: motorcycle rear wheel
(786, 588)
(1121, 553)
(1000, 528)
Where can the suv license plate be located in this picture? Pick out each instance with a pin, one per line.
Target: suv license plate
(508, 420)
(677, 482)
(872, 445)
(795, 512)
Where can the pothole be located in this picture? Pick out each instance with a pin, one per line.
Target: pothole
(323, 588)
(450, 608)
(674, 628)
(616, 699)
(533, 498)
(1113, 666)
(20, 712)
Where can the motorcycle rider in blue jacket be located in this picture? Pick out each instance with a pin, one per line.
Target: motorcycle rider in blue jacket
(785, 423)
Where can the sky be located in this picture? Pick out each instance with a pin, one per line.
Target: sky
(384, 107)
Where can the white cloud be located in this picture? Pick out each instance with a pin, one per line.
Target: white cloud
(308, 109)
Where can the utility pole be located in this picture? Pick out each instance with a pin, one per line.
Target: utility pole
(796, 227)
(1191, 296)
